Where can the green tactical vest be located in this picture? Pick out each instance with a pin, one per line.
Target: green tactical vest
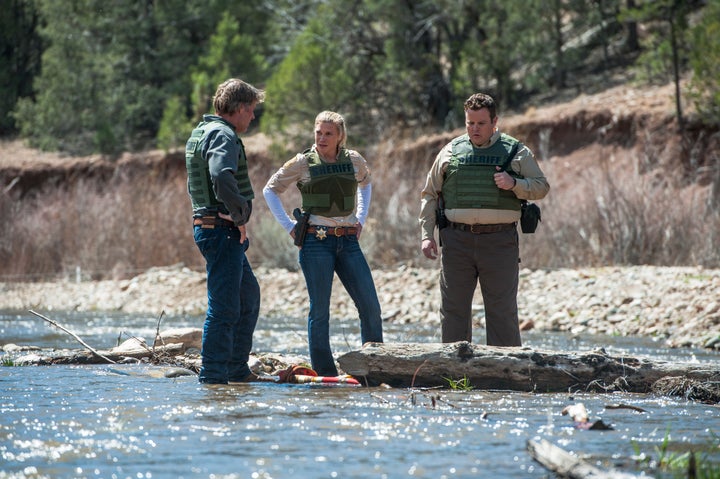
(468, 181)
(199, 181)
(332, 186)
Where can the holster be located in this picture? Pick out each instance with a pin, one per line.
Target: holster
(530, 215)
(301, 226)
(440, 218)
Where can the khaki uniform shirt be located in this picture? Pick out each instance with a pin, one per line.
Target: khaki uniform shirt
(533, 186)
(296, 170)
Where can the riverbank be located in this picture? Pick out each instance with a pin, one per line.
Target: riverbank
(677, 305)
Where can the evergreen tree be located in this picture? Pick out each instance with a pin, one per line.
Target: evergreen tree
(705, 63)
(316, 75)
(230, 54)
(20, 51)
(108, 70)
(66, 99)
(129, 74)
(665, 57)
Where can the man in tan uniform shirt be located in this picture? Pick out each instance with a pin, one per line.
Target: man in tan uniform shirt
(482, 177)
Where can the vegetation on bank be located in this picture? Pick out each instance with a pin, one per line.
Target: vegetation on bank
(600, 212)
(679, 460)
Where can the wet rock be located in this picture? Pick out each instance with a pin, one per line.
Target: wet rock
(14, 348)
(177, 372)
(28, 359)
(130, 345)
(188, 337)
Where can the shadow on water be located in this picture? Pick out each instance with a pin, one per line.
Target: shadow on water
(130, 421)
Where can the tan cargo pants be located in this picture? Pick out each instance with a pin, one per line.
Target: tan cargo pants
(493, 260)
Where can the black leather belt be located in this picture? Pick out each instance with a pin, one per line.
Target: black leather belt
(210, 222)
(480, 229)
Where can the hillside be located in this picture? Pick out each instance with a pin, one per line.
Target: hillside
(611, 117)
(622, 182)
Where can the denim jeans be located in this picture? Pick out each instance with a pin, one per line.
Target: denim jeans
(233, 296)
(319, 260)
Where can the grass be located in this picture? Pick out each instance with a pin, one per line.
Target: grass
(462, 384)
(683, 464)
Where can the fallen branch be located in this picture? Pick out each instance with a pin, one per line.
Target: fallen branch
(625, 406)
(74, 336)
(564, 464)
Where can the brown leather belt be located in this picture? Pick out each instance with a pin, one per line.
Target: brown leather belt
(480, 229)
(210, 222)
(322, 231)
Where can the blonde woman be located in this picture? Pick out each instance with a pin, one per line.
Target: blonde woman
(335, 186)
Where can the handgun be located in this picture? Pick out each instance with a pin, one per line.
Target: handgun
(301, 226)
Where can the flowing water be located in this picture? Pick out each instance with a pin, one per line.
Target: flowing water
(129, 421)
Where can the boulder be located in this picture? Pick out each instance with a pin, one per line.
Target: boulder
(188, 337)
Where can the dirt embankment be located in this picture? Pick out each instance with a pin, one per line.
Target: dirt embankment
(622, 180)
(637, 121)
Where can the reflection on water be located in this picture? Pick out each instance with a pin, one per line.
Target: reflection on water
(129, 421)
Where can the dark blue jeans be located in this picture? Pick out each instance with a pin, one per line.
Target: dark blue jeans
(320, 260)
(233, 306)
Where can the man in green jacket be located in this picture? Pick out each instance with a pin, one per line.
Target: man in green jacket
(221, 195)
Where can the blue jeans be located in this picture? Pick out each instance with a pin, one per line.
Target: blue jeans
(319, 260)
(233, 306)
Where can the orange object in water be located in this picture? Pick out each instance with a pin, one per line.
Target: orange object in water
(288, 375)
(302, 379)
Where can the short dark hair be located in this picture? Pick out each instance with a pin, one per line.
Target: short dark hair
(478, 101)
(234, 92)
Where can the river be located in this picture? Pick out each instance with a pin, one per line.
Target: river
(128, 421)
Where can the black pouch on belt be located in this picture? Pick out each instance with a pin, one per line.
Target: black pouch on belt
(529, 217)
(301, 226)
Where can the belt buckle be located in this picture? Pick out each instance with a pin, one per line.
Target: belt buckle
(320, 233)
(335, 231)
(472, 228)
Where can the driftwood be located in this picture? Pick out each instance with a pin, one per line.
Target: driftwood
(514, 368)
(564, 464)
(167, 349)
(84, 357)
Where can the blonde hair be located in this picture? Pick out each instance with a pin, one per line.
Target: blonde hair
(337, 120)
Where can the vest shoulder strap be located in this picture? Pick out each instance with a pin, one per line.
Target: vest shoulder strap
(511, 155)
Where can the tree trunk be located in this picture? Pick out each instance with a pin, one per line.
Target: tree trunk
(632, 43)
(514, 368)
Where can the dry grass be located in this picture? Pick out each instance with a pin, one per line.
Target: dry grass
(106, 233)
(602, 215)
(626, 218)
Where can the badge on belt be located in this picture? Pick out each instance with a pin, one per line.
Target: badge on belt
(320, 233)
